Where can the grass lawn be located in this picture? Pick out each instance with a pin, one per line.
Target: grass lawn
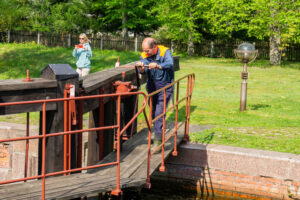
(271, 121)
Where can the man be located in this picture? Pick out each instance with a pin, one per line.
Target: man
(157, 63)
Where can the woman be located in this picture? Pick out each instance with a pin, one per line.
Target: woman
(83, 53)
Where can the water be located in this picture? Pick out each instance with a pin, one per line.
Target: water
(163, 194)
(168, 190)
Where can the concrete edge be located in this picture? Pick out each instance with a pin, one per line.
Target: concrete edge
(284, 166)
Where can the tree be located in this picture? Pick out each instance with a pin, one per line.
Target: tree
(124, 16)
(277, 20)
(69, 17)
(39, 15)
(12, 15)
(180, 19)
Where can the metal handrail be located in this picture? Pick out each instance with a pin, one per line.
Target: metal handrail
(190, 85)
(69, 132)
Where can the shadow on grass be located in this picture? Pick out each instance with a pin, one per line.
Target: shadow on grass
(258, 106)
(207, 139)
(287, 64)
(181, 114)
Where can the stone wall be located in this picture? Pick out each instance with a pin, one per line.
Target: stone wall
(12, 154)
(238, 172)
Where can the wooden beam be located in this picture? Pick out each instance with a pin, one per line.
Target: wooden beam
(19, 84)
(106, 77)
(26, 95)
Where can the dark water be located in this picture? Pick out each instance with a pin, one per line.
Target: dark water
(170, 190)
(163, 194)
(174, 194)
(188, 196)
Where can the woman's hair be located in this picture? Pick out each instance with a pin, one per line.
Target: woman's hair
(85, 37)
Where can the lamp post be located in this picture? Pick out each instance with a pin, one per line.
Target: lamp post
(246, 53)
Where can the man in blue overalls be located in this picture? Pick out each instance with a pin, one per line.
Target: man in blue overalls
(157, 63)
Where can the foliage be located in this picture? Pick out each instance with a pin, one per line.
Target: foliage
(227, 17)
(282, 13)
(131, 14)
(182, 21)
(256, 17)
(179, 19)
(12, 14)
(70, 17)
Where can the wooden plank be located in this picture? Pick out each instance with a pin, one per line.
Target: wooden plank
(156, 158)
(19, 84)
(67, 187)
(133, 174)
(134, 155)
(27, 95)
(106, 77)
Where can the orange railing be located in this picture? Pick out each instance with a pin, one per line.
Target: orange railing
(189, 90)
(70, 116)
(68, 132)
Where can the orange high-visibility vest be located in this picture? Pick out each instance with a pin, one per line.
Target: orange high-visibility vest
(162, 51)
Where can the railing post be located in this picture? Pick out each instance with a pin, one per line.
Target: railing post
(101, 123)
(189, 104)
(27, 145)
(175, 152)
(69, 129)
(44, 151)
(79, 127)
(66, 120)
(148, 184)
(118, 190)
(185, 139)
(162, 167)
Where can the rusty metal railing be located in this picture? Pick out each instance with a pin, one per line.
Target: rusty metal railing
(68, 103)
(189, 90)
(69, 117)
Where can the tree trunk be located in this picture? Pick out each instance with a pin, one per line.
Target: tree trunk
(8, 36)
(275, 54)
(275, 43)
(124, 21)
(191, 45)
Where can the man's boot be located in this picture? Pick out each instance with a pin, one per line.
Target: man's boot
(156, 142)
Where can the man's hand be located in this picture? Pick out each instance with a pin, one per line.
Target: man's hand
(141, 66)
(154, 65)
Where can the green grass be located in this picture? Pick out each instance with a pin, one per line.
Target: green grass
(279, 139)
(271, 121)
(272, 104)
(15, 59)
